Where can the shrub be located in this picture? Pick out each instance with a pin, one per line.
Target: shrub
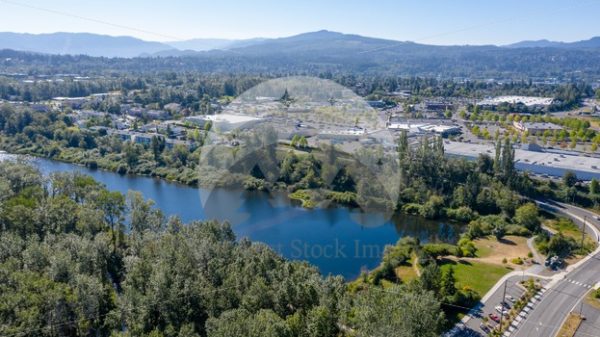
(466, 248)
(528, 216)
(411, 208)
(433, 208)
(517, 230)
(462, 214)
(435, 250)
(344, 198)
(518, 261)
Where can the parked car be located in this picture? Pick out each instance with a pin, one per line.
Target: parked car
(501, 310)
(485, 328)
(494, 317)
(510, 299)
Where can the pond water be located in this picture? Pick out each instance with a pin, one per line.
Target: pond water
(337, 240)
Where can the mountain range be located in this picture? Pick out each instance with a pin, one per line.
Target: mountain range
(591, 43)
(321, 41)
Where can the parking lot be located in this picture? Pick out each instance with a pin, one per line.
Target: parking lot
(476, 326)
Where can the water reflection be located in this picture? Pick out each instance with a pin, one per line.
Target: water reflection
(337, 240)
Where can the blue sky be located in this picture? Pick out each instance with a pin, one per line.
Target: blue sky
(425, 21)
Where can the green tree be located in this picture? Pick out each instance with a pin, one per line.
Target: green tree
(594, 186)
(569, 179)
(528, 216)
(447, 284)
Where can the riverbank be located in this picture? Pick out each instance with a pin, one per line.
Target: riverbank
(338, 240)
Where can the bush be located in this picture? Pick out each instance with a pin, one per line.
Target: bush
(466, 248)
(484, 226)
(561, 245)
(433, 208)
(517, 230)
(344, 198)
(528, 216)
(462, 214)
(518, 261)
(435, 250)
(411, 208)
(466, 298)
(304, 197)
(254, 184)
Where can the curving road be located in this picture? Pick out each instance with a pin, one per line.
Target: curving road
(566, 292)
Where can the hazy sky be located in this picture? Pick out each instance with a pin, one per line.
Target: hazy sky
(426, 21)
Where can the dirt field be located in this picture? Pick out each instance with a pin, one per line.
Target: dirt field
(490, 250)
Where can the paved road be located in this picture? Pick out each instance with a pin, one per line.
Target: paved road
(564, 295)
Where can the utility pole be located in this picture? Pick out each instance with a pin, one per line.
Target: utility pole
(583, 231)
(502, 307)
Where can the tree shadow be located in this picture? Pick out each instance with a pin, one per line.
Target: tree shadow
(507, 242)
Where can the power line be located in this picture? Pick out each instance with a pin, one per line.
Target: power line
(76, 16)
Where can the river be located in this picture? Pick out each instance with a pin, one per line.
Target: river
(337, 240)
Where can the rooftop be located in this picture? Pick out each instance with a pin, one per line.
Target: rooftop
(542, 126)
(527, 100)
(562, 162)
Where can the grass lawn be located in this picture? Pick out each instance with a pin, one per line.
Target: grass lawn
(407, 272)
(592, 300)
(478, 276)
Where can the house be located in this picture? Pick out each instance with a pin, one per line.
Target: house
(123, 135)
(157, 114)
(135, 111)
(143, 138)
(172, 107)
(377, 104)
(40, 107)
(70, 102)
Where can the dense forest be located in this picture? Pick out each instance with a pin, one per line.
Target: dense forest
(335, 53)
(195, 90)
(78, 260)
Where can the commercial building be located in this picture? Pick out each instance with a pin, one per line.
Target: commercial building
(440, 129)
(224, 122)
(535, 128)
(529, 101)
(538, 162)
(354, 133)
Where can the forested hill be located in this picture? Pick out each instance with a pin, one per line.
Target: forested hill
(329, 52)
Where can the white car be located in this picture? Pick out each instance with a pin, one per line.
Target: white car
(501, 310)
